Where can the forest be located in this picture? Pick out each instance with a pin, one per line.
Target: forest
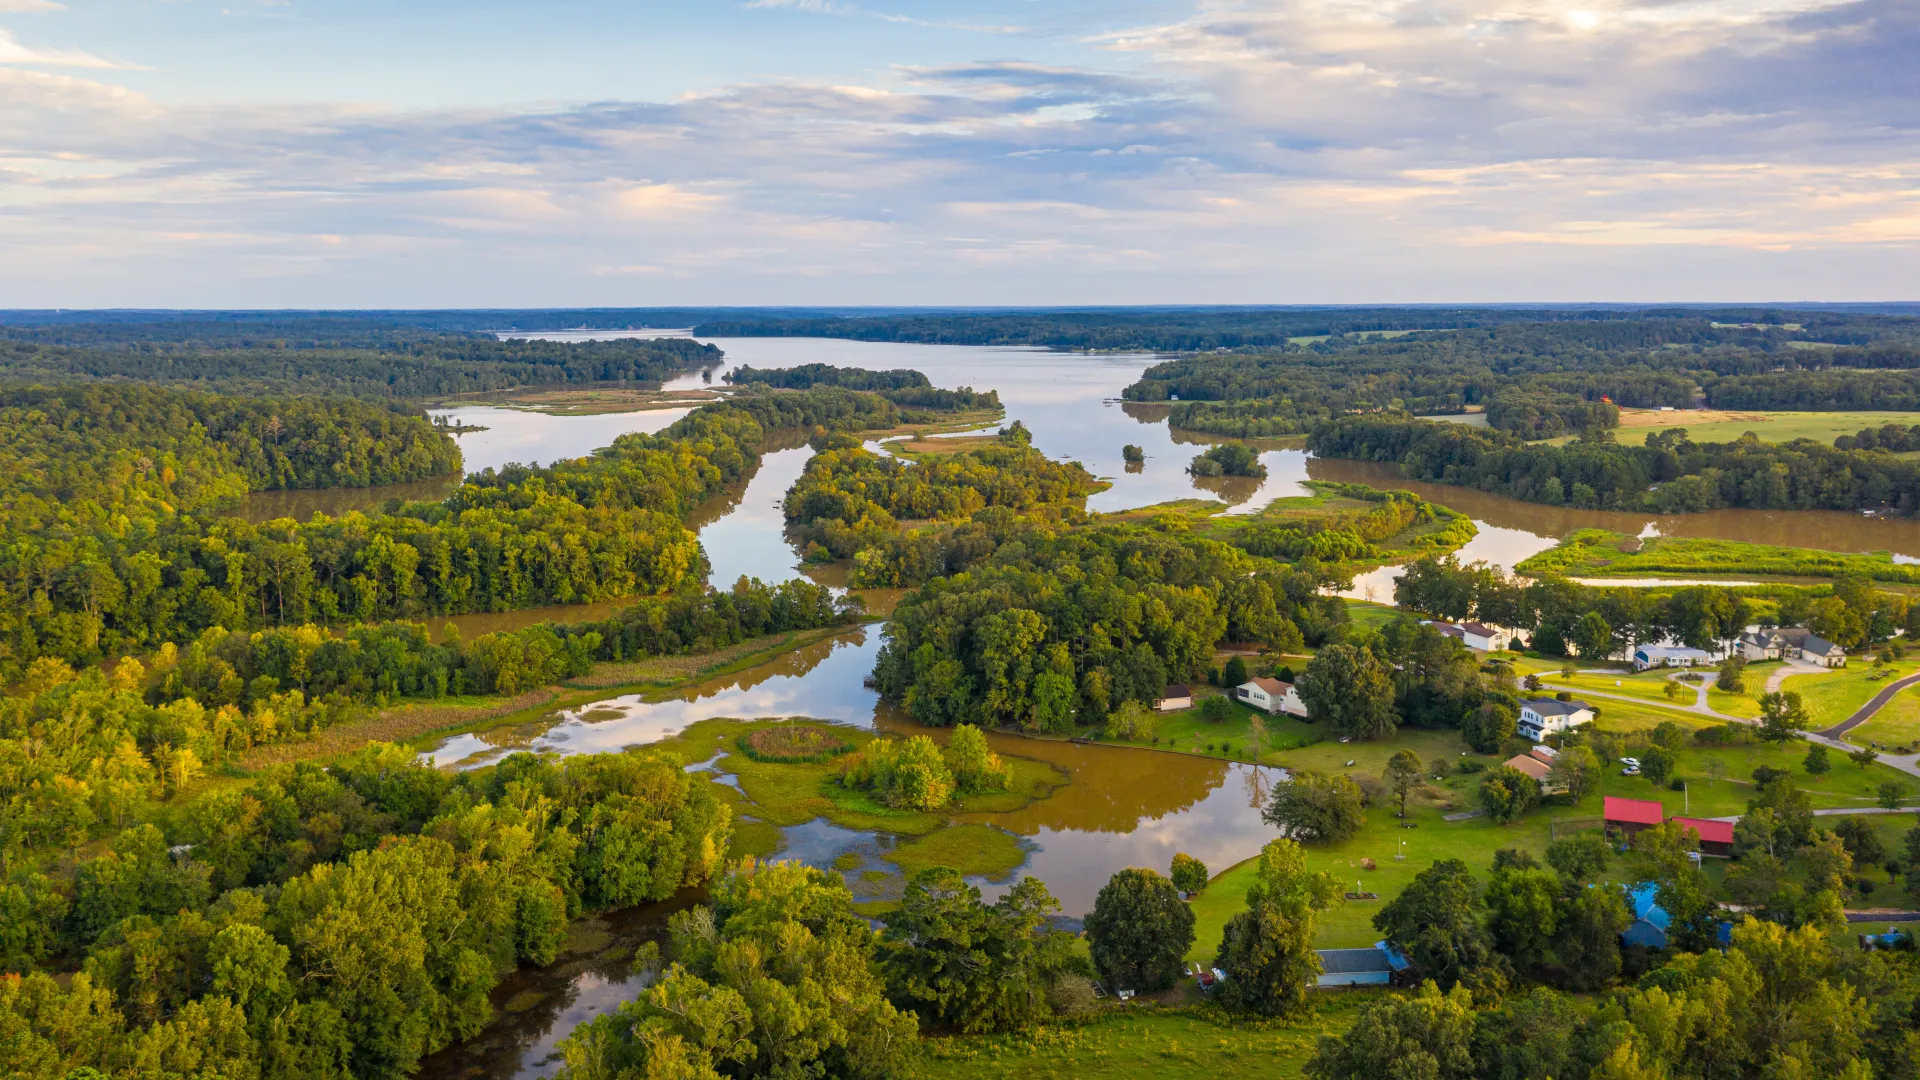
(1670, 474)
(355, 358)
(1326, 328)
(1541, 379)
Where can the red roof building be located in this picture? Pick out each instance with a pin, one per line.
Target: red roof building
(1716, 837)
(1629, 816)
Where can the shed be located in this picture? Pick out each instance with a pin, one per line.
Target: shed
(1716, 837)
(1629, 816)
(1175, 696)
(1354, 967)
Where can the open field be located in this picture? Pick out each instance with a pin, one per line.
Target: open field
(1715, 425)
(1832, 696)
(1896, 724)
(1598, 552)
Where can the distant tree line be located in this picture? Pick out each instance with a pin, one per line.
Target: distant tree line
(1670, 474)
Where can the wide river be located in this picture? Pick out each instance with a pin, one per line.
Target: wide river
(1121, 807)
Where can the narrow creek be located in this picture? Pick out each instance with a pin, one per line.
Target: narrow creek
(1120, 807)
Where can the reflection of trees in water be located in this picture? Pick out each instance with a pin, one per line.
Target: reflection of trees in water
(1110, 789)
(1259, 784)
(1230, 489)
(599, 978)
(797, 664)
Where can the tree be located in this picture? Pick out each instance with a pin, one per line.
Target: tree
(970, 966)
(1587, 943)
(1436, 923)
(1403, 775)
(1663, 855)
(1864, 756)
(975, 767)
(1189, 874)
(1426, 1036)
(1491, 723)
(1575, 770)
(1861, 839)
(1507, 793)
(1656, 764)
(1267, 950)
(1816, 760)
(1351, 690)
(1216, 709)
(1581, 857)
(1892, 794)
(1316, 807)
(1139, 931)
(1132, 720)
(1234, 673)
(1782, 716)
(1592, 637)
(1523, 914)
(1732, 676)
(1132, 454)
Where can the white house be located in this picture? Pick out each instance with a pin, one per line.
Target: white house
(1475, 635)
(1541, 717)
(1271, 696)
(1175, 697)
(1652, 656)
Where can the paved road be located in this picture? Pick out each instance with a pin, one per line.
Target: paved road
(1865, 712)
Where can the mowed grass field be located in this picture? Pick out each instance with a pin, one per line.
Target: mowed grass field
(1712, 425)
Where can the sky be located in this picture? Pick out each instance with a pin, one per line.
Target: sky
(421, 153)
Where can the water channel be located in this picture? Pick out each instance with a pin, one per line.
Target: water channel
(1120, 807)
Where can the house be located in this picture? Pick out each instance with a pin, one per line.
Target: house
(1803, 644)
(1650, 921)
(1541, 717)
(1716, 837)
(1474, 635)
(1625, 817)
(1819, 650)
(1762, 645)
(1537, 763)
(1360, 967)
(1486, 638)
(1175, 696)
(1650, 656)
(1272, 696)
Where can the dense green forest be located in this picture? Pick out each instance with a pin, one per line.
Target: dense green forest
(902, 386)
(851, 499)
(350, 358)
(1541, 379)
(1670, 474)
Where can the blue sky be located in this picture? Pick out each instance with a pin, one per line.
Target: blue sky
(309, 153)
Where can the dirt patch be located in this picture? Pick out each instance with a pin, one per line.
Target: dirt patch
(1644, 418)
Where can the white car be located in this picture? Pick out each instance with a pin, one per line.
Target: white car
(1631, 770)
(1630, 762)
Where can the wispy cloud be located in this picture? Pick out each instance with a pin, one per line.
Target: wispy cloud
(12, 52)
(29, 7)
(1309, 150)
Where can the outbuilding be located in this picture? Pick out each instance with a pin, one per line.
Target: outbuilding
(1626, 817)
(1716, 837)
(1174, 697)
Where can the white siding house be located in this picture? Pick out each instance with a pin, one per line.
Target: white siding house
(1652, 656)
(1541, 717)
(1271, 696)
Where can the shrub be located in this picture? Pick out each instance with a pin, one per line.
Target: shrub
(909, 775)
(1216, 709)
(975, 767)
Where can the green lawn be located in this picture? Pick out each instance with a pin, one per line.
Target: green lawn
(1133, 1042)
(1832, 696)
(1896, 724)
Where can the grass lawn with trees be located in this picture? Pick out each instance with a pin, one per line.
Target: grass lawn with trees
(1601, 553)
(1896, 724)
(1832, 696)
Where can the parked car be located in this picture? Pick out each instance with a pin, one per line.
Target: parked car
(1631, 770)
(1630, 762)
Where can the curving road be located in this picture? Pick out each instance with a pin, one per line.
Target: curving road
(1865, 712)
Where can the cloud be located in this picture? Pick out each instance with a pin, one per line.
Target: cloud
(1306, 150)
(11, 7)
(12, 52)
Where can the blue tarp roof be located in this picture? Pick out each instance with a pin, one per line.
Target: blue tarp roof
(1394, 959)
(1644, 899)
